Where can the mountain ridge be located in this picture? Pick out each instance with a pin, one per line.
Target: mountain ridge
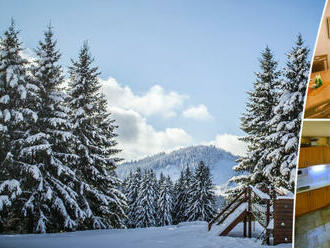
(219, 161)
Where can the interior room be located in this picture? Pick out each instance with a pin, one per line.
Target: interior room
(318, 96)
(312, 213)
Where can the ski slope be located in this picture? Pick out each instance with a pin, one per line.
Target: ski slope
(184, 235)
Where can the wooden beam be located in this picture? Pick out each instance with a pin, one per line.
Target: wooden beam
(239, 219)
(267, 218)
(249, 213)
(231, 211)
(244, 227)
(225, 209)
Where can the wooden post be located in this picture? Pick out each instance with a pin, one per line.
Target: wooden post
(245, 218)
(249, 213)
(273, 193)
(268, 217)
(244, 227)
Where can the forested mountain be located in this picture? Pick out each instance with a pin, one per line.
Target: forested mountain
(219, 161)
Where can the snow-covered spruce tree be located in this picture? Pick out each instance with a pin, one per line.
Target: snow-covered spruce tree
(131, 192)
(202, 198)
(124, 188)
(188, 181)
(49, 197)
(95, 145)
(125, 183)
(288, 116)
(178, 214)
(12, 89)
(147, 201)
(255, 123)
(15, 116)
(182, 195)
(162, 178)
(155, 185)
(165, 202)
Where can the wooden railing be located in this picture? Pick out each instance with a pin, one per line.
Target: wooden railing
(225, 216)
(255, 199)
(226, 208)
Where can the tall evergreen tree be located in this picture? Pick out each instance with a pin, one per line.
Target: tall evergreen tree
(188, 181)
(15, 115)
(147, 201)
(162, 178)
(132, 191)
(182, 195)
(95, 145)
(165, 202)
(47, 148)
(49, 198)
(154, 182)
(125, 188)
(287, 120)
(179, 196)
(13, 92)
(255, 123)
(125, 183)
(202, 198)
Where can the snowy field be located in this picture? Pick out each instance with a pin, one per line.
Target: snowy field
(190, 235)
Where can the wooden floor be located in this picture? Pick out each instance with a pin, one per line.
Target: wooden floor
(313, 230)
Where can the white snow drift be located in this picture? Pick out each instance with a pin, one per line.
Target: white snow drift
(184, 235)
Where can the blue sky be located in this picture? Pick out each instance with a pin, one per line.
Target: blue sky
(202, 56)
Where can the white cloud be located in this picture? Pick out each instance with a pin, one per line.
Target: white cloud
(138, 139)
(28, 55)
(230, 143)
(200, 113)
(155, 101)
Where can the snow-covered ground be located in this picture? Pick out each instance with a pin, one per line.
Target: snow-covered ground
(190, 235)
